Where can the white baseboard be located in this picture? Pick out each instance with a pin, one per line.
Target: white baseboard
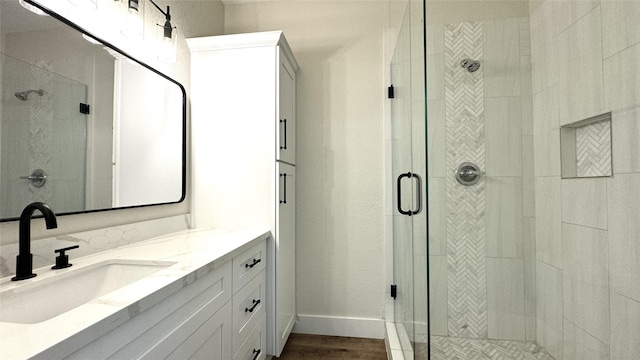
(340, 326)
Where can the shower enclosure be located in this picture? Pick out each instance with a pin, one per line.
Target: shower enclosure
(538, 258)
(533, 138)
(44, 138)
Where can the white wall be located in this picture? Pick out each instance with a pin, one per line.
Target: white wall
(340, 248)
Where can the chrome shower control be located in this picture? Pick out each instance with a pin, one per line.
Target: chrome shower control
(468, 173)
(38, 178)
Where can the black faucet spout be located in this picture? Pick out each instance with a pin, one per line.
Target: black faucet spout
(24, 260)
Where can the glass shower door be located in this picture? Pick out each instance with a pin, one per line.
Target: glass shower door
(403, 191)
(409, 194)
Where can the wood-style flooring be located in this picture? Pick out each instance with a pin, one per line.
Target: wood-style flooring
(302, 346)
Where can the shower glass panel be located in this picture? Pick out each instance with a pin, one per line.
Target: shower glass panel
(404, 192)
(46, 135)
(409, 195)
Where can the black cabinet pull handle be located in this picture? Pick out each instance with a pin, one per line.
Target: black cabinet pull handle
(254, 263)
(399, 188)
(256, 353)
(285, 134)
(419, 193)
(255, 303)
(285, 188)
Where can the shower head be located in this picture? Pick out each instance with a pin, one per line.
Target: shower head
(470, 65)
(24, 95)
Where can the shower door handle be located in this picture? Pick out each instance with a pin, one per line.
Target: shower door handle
(418, 192)
(399, 188)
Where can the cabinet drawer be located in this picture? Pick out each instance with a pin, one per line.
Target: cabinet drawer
(248, 264)
(210, 341)
(248, 308)
(254, 348)
(166, 324)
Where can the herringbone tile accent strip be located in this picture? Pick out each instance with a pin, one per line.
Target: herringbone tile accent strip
(465, 141)
(449, 348)
(40, 126)
(593, 149)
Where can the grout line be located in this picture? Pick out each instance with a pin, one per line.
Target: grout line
(585, 226)
(626, 296)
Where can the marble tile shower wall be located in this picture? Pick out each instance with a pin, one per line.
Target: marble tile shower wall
(481, 238)
(585, 58)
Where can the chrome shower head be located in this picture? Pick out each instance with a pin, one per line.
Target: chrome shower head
(470, 65)
(24, 95)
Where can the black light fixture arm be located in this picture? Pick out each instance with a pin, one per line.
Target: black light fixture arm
(167, 14)
(168, 28)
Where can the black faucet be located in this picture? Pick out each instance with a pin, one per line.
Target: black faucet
(24, 262)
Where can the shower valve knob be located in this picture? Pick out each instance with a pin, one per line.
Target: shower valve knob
(38, 178)
(468, 173)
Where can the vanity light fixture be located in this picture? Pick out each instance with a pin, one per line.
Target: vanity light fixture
(134, 19)
(32, 8)
(85, 4)
(167, 36)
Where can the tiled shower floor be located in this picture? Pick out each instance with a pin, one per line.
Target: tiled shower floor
(449, 348)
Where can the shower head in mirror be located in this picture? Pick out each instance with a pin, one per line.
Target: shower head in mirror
(24, 95)
(470, 65)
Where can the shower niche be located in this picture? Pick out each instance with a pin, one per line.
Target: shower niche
(585, 148)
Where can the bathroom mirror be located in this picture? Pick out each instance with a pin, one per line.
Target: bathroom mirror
(83, 126)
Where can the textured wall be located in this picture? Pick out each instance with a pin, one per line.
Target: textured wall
(339, 231)
(586, 62)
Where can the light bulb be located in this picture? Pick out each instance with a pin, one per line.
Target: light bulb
(32, 8)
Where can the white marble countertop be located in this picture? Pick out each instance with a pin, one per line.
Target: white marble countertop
(191, 250)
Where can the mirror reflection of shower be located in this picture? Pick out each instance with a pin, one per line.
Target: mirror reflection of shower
(470, 65)
(24, 95)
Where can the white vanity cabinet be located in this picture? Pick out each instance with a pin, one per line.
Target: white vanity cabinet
(243, 153)
(213, 314)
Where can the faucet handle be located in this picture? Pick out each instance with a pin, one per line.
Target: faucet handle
(62, 260)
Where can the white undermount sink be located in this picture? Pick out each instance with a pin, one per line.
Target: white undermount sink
(42, 300)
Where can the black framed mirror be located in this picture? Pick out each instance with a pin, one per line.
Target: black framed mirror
(84, 127)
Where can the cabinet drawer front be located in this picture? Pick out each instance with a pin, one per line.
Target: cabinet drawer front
(248, 308)
(201, 295)
(254, 348)
(210, 341)
(248, 264)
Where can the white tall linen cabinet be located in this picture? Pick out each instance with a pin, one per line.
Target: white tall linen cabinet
(243, 153)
